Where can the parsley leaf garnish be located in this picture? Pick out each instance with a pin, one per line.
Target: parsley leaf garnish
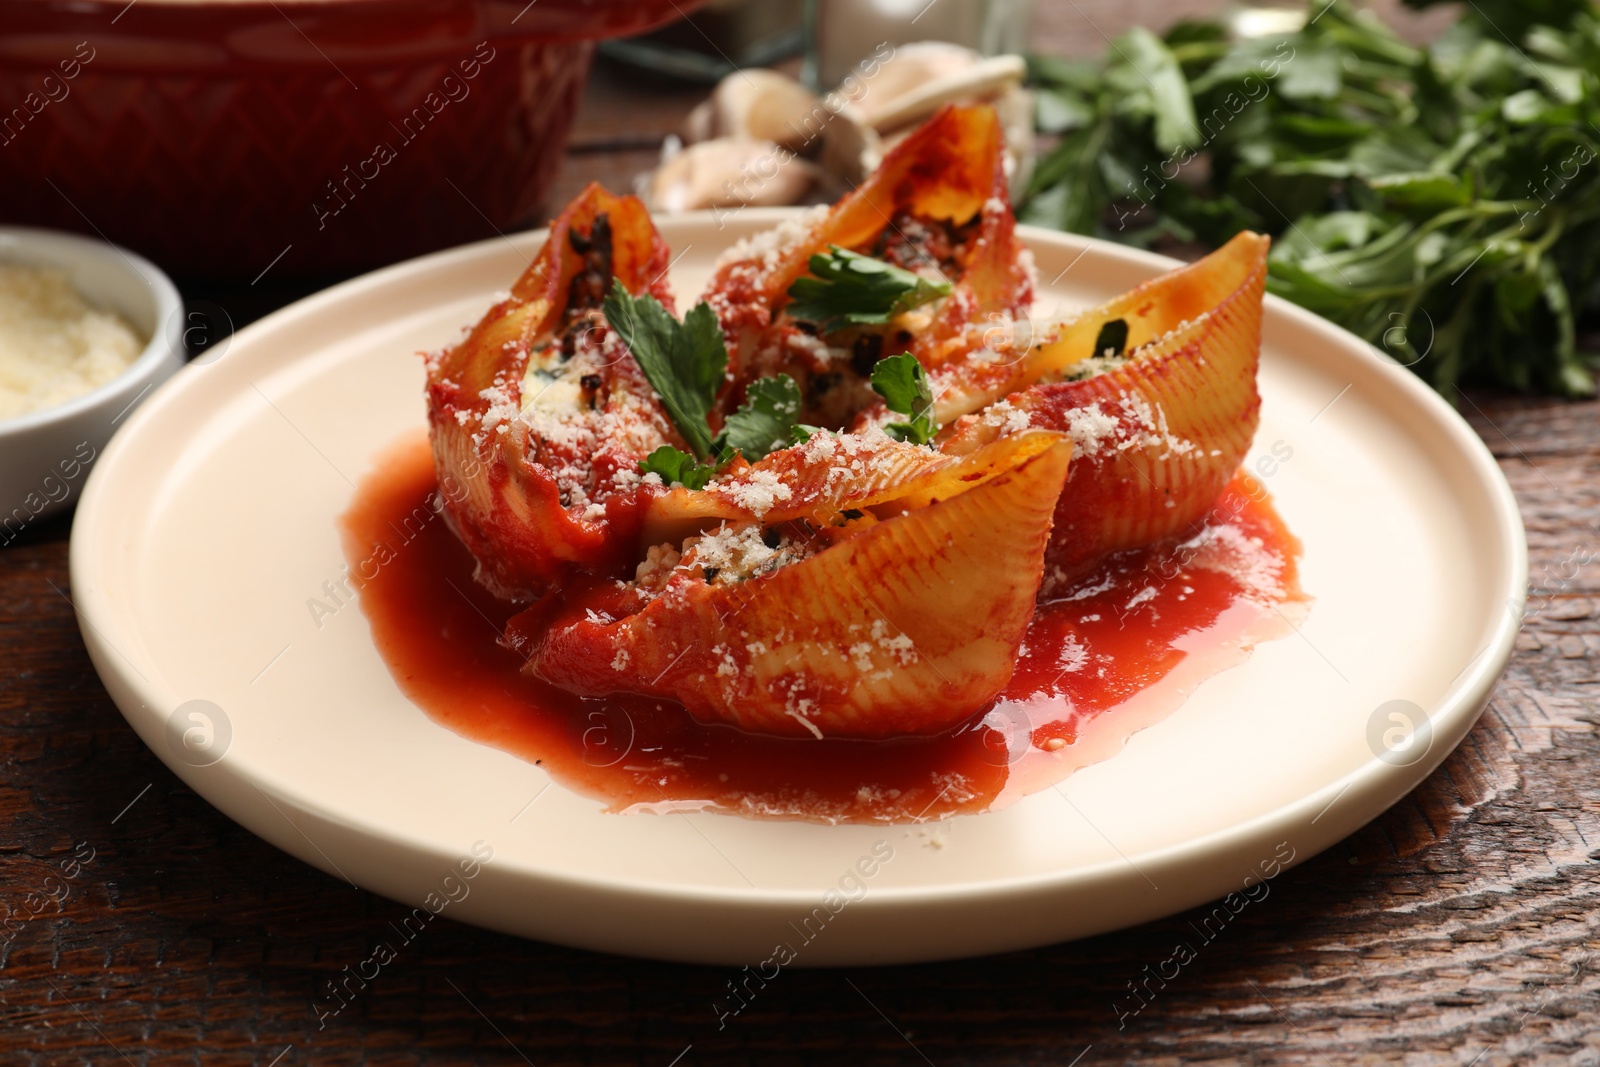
(763, 422)
(676, 466)
(849, 289)
(1112, 340)
(802, 432)
(903, 384)
(683, 361)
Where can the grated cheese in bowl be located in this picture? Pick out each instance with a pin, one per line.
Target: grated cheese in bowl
(54, 346)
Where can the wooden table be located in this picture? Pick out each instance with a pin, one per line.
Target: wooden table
(1461, 927)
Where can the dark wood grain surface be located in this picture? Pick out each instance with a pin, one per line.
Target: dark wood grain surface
(1462, 927)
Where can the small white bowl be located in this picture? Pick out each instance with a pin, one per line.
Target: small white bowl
(45, 455)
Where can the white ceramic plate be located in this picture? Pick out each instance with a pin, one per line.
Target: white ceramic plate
(210, 521)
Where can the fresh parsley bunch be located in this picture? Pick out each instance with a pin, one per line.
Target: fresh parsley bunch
(1443, 202)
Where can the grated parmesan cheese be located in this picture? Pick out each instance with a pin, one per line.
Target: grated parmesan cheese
(757, 492)
(53, 345)
(765, 249)
(1089, 426)
(1153, 423)
(503, 406)
(1006, 418)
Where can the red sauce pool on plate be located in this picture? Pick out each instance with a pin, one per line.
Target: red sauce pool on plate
(1105, 656)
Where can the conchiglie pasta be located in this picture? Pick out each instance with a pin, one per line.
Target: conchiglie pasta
(854, 584)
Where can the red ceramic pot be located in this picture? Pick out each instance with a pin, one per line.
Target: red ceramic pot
(314, 137)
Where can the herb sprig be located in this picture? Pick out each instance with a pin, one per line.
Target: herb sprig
(904, 386)
(1441, 202)
(677, 466)
(846, 288)
(684, 363)
(763, 422)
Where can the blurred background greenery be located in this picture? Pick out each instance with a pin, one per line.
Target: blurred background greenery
(1442, 201)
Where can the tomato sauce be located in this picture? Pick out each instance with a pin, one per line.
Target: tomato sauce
(1104, 657)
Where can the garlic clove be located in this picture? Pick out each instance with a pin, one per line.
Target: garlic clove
(909, 68)
(983, 80)
(760, 104)
(731, 172)
(851, 149)
(700, 125)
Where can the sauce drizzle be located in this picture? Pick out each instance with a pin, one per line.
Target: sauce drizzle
(1104, 657)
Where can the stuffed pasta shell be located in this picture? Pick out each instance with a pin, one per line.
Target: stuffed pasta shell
(824, 502)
